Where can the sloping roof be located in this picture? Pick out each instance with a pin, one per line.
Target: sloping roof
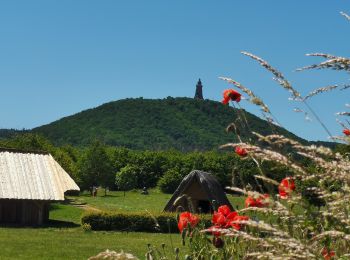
(32, 176)
(208, 183)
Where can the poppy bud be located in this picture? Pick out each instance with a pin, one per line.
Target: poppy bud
(241, 151)
(218, 242)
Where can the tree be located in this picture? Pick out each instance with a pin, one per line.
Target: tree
(68, 164)
(170, 181)
(126, 178)
(96, 167)
(29, 141)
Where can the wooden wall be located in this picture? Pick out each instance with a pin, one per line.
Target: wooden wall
(24, 212)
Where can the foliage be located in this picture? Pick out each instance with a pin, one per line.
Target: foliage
(95, 167)
(134, 221)
(97, 164)
(28, 142)
(184, 124)
(126, 178)
(169, 182)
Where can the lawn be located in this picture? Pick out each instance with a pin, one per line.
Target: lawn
(132, 201)
(63, 238)
(74, 243)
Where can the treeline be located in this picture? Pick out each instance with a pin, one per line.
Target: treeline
(124, 169)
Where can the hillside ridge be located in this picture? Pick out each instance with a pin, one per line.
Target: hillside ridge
(181, 123)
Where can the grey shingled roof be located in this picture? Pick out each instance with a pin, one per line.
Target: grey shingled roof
(209, 184)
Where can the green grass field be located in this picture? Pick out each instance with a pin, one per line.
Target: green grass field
(132, 201)
(74, 243)
(63, 238)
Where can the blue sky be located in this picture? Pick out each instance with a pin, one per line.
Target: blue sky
(60, 57)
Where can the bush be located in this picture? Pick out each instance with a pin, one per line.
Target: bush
(170, 181)
(138, 222)
(126, 178)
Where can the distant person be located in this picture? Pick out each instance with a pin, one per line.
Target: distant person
(144, 191)
(94, 191)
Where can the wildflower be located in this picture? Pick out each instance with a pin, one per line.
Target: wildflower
(286, 187)
(241, 151)
(230, 94)
(259, 202)
(238, 226)
(327, 254)
(346, 131)
(225, 210)
(185, 219)
(224, 218)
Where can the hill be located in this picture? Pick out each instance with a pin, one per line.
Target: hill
(181, 123)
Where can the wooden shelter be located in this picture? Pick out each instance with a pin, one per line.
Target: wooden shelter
(199, 192)
(29, 181)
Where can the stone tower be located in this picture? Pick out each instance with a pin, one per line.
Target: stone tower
(199, 91)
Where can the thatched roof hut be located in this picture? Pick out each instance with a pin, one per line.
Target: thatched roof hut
(198, 192)
(29, 181)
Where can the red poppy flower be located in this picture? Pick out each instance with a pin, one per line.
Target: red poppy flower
(241, 151)
(230, 94)
(260, 202)
(238, 226)
(224, 217)
(346, 131)
(286, 187)
(185, 219)
(327, 254)
(225, 210)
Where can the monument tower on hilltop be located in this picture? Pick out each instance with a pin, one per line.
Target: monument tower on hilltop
(199, 91)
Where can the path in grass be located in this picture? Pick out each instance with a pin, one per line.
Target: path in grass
(86, 207)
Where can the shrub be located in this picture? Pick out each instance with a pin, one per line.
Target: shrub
(170, 181)
(126, 178)
(138, 222)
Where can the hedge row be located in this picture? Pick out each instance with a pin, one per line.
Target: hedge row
(141, 222)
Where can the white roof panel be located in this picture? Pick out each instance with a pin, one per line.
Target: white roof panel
(33, 176)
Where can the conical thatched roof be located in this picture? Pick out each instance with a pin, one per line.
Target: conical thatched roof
(199, 185)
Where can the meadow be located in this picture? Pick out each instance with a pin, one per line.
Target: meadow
(63, 237)
(133, 201)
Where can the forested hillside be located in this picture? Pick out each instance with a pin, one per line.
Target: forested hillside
(183, 124)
